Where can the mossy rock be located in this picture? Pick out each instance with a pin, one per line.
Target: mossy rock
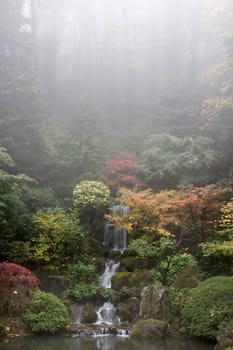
(89, 314)
(120, 280)
(140, 278)
(189, 278)
(114, 255)
(132, 263)
(129, 309)
(149, 329)
(154, 302)
(130, 284)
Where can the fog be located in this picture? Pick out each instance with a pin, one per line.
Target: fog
(83, 79)
(123, 56)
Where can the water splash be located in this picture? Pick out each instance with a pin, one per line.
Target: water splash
(107, 314)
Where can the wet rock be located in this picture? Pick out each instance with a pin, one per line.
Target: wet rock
(129, 309)
(149, 329)
(75, 312)
(84, 330)
(89, 314)
(120, 280)
(154, 302)
(225, 339)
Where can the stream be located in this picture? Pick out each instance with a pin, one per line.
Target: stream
(96, 343)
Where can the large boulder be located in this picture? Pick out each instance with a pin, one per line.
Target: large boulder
(120, 280)
(149, 329)
(133, 263)
(89, 314)
(154, 302)
(129, 309)
(130, 283)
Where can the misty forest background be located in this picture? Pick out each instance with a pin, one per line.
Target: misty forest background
(82, 81)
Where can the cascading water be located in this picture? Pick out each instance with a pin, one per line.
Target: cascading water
(115, 238)
(111, 267)
(107, 312)
(76, 313)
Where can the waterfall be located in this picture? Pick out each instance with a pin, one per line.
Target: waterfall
(76, 313)
(107, 312)
(111, 268)
(79, 315)
(115, 238)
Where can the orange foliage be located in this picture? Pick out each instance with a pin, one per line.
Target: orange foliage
(192, 209)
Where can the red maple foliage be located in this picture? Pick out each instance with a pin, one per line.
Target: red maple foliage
(120, 171)
(16, 282)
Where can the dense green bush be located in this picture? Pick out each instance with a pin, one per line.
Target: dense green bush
(209, 307)
(81, 273)
(46, 313)
(83, 282)
(83, 291)
(59, 240)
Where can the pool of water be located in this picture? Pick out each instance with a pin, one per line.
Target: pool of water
(103, 343)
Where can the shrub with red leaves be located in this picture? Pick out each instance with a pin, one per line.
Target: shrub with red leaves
(120, 171)
(16, 283)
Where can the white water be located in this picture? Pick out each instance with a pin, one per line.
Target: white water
(76, 313)
(115, 238)
(107, 312)
(79, 315)
(111, 267)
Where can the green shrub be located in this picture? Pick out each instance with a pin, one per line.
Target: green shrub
(163, 255)
(209, 307)
(83, 282)
(46, 313)
(83, 291)
(60, 239)
(90, 195)
(81, 273)
(216, 257)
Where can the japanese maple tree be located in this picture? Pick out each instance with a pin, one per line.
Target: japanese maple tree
(121, 171)
(16, 283)
(194, 210)
(189, 213)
